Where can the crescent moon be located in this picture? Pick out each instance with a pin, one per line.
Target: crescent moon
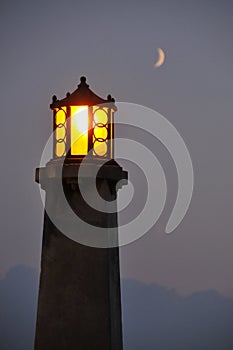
(161, 58)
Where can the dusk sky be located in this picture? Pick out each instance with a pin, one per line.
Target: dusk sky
(45, 48)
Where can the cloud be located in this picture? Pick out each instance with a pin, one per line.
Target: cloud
(18, 300)
(153, 317)
(158, 318)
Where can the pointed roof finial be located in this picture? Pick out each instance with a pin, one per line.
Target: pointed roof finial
(110, 98)
(83, 82)
(54, 98)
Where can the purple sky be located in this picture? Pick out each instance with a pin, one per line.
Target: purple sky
(47, 46)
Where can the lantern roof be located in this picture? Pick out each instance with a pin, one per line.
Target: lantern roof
(82, 96)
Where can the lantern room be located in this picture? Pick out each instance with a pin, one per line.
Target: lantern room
(83, 124)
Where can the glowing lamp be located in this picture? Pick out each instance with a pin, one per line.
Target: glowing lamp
(83, 124)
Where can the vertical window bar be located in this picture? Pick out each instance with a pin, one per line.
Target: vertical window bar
(54, 134)
(112, 133)
(68, 131)
(109, 130)
(90, 127)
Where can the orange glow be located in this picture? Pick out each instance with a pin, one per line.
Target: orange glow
(79, 130)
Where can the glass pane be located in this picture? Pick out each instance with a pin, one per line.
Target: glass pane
(100, 117)
(60, 121)
(60, 117)
(79, 130)
(60, 148)
(60, 132)
(100, 148)
(100, 132)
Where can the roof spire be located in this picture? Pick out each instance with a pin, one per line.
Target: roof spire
(83, 82)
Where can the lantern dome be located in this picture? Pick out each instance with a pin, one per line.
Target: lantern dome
(83, 124)
(80, 97)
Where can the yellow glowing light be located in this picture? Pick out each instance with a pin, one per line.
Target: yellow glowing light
(60, 149)
(60, 116)
(60, 132)
(101, 116)
(60, 120)
(79, 130)
(100, 131)
(100, 148)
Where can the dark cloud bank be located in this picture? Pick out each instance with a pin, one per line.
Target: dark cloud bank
(153, 317)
